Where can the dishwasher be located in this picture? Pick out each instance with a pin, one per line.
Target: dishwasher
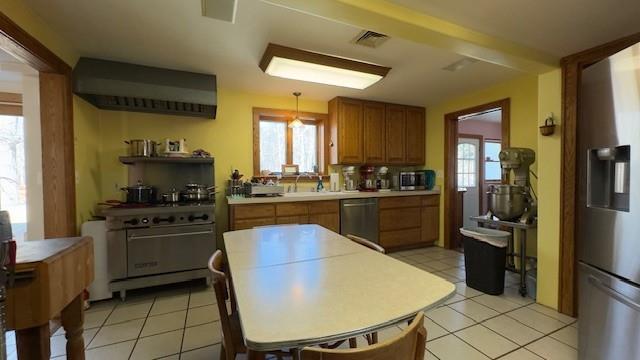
(359, 217)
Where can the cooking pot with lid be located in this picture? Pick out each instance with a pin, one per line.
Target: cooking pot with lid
(140, 194)
(507, 202)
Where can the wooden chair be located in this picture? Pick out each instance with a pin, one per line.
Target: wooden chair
(371, 245)
(232, 337)
(409, 345)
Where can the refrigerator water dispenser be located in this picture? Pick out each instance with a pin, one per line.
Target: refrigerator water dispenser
(608, 178)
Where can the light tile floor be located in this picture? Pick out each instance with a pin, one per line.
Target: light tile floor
(182, 322)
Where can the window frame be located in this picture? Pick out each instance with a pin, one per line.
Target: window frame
(485, 161)
(278, 115)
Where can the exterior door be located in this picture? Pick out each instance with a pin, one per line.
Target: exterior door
(467, 176)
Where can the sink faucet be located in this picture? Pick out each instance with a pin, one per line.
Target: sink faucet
(295, 186)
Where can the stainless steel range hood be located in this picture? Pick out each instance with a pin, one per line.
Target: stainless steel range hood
(115, 85)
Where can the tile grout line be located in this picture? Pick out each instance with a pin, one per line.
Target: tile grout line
(184, 328)
(142, 328)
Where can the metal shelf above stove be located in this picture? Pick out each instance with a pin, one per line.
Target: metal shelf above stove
(129, 160)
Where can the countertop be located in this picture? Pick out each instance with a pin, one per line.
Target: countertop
(319, 196)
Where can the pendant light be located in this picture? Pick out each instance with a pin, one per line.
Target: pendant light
(296, 121)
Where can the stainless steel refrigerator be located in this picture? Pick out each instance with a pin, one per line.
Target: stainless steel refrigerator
(608, 208)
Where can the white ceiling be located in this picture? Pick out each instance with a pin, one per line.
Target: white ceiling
(559, 27)
(173, 34)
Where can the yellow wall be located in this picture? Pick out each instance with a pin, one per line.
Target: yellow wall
(229, 138)
(522, 91)
(549, 155)
(532, 99)
(85, 116)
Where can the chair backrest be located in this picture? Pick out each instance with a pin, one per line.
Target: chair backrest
(408, 345)
(362, 241)
(222, 294)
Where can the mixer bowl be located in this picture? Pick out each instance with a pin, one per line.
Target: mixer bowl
(507, 202)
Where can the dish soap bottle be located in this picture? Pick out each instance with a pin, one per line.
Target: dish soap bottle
(320, 186)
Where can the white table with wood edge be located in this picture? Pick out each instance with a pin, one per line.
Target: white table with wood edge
(50, 277)
(303, 285)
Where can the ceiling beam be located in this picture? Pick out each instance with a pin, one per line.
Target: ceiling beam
(398, 21)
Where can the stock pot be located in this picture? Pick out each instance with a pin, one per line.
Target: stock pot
(141, 147)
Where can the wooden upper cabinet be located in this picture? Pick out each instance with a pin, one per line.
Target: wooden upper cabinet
(415, 135)
(374, 133)
(346, 121)
(396, 131)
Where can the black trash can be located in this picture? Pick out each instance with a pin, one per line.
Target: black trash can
(485, 256)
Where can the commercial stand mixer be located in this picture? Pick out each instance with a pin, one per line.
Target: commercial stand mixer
(514, 202)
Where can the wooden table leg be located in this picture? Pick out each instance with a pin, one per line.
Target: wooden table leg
(33, 343)
(72, 317)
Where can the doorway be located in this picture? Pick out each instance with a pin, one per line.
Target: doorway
(55, 109)
(473, 140)
(20, 143)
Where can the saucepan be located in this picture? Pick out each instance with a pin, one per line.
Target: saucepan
(197, 192)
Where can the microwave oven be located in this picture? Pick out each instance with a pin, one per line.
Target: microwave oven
(411, 180)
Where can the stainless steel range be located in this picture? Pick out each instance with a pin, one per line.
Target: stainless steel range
(159, 244)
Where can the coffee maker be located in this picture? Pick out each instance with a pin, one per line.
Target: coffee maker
(348, 174)
(367, 178)
(382, 181)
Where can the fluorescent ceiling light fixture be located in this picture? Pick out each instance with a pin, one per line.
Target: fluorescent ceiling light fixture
(304, 65)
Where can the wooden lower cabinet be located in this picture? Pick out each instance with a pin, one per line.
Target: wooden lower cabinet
(323, 213)
(407, 222)
(330, 221)
(399, 238)
(430, 224)
(404, 221)
(251, 223)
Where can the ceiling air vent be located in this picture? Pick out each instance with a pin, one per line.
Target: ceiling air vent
(370, 39)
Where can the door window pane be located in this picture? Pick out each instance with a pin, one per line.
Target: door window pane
(492, 170)
(273, 145)
(13, 189)
(467, 158)
(305, 148)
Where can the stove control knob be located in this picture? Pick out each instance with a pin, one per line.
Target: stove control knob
(191, 218)
(132, 222)
(205, 217)
(145, 220)
(156, 220)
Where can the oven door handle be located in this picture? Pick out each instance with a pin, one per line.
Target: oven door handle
(133, 237)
